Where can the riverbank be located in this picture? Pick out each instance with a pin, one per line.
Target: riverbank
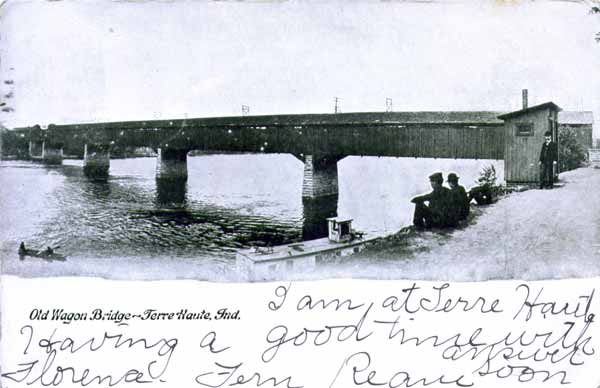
(532, 235)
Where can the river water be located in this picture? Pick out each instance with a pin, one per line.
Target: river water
(129, 228)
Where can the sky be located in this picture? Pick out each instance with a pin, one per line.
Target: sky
(75, 61)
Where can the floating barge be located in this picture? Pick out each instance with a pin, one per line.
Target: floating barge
(273, 263)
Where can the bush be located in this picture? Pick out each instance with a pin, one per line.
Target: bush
(488, 179)
(487, 176)
(571, 154)
(487, 189)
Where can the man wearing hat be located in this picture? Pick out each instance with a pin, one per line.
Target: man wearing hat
(460, 200)
(548, 159)
(437, 213)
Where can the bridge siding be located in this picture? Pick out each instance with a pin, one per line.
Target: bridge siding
(434, 140)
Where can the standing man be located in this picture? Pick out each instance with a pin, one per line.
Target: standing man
(437, 213)
(460, 200)
(548, 159)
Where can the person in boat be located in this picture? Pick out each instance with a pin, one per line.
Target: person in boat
(460, 200)
(49, 251)
(437, 212)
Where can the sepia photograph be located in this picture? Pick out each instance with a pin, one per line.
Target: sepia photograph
(299, 194)
(287, 140)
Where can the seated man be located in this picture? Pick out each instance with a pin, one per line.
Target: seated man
(460, 200)
(438, 212)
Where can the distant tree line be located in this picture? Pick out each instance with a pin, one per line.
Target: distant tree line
(571, 154)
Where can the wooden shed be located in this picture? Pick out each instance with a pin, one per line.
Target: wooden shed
(524, 135)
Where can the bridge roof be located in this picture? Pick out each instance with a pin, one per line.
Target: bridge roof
(431, 117)
(418, 117)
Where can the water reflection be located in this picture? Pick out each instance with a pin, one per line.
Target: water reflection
(315, 213)
(97, 189)
(171, 192)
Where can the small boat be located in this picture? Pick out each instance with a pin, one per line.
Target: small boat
(46, 254)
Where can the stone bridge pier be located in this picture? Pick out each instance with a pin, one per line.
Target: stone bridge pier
(319, 194)
(35, 149)
(96, 161)
(320, 176)
(46, 151)
(171, 176)
(52, 154)
(171, 164)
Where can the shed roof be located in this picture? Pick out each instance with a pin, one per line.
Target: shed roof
(576, 117)
(516, 113)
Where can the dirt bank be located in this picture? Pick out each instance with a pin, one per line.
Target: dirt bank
(535, 234)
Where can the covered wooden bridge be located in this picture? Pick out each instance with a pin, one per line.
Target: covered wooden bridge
(318, 140)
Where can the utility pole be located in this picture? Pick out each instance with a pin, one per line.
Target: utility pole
(336, 108)
(388, 105)
(245, 110)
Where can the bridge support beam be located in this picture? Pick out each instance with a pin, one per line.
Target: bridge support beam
(171, 164)
(52, 154)
(96, 161)
(320, 177)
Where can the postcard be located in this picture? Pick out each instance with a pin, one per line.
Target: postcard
(299, 194)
